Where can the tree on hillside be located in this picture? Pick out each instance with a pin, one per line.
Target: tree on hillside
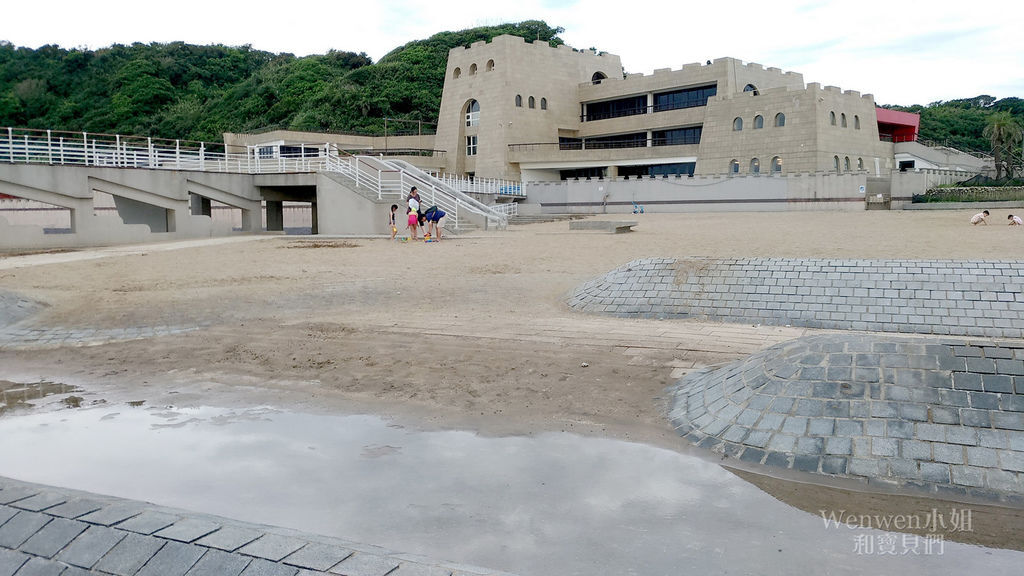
(1004, 132)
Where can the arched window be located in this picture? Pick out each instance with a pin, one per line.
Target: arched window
(846, 164)
(835, 161)
(472, 69)
(533, 103)
(519, 101)
(856, 122)
(734, 167)
(860, 163)
(457, 73)
(776, 165)
(490, 65)
(758, 122)
(472, 113)
(543, 103)
(597, 77)
(737, 124)
(842, 119)
(832, 118)
(755, 166)
(780, 120)
(751, 88)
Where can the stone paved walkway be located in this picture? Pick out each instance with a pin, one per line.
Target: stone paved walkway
(944, 415)
(46, 531)
(984, 298)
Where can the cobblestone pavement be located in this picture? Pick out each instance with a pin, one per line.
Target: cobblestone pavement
(944, 415)
(55, 532)
(982, 298)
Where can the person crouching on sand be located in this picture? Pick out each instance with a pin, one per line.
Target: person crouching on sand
(980, 218)
(1014, 220)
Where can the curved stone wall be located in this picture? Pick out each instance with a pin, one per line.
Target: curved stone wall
(927, 297)
(946, 416)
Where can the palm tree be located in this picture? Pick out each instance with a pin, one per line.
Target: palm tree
(1004, 132)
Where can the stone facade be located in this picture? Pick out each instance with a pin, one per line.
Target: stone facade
(822, 125)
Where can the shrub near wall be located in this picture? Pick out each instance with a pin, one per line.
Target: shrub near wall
(972, 194)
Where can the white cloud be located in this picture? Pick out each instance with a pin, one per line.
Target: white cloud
(907, 52)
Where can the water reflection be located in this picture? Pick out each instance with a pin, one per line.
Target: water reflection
(554, 504)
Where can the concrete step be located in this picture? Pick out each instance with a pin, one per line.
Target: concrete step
(542, 218)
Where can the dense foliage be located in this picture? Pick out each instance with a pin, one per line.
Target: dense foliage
(961, 123)
(192, 92)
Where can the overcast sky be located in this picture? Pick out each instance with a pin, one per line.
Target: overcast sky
(903, 52)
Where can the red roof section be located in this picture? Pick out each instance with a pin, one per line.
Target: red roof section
(899, 118)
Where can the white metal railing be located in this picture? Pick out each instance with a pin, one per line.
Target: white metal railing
(508, 208)
(481, 185)
(384, 178)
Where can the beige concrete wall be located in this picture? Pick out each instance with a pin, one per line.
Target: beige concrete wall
(702, 194)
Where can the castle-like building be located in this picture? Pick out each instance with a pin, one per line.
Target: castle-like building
(519, 110)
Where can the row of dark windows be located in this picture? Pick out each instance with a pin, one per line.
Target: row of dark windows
(737, 122)
(776, 165)
(633, 105)
(671, 137)
(457, 73)
(842, 120)
(532, 102)
(649, 170)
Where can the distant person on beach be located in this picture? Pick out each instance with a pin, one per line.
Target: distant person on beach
(980, 218)
(1015, 220)
(391, 221)
(415, 193)
(433, 216)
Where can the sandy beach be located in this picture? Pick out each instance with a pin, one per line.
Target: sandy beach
(468, 332)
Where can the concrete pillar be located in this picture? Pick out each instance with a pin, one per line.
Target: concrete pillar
(200, 206)
(613, 172)
(275, 216)
(315, 225)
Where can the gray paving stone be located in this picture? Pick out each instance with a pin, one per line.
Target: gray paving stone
(968, 476)
(41, 567)
(360, 564)
(10, 495)
(261, 567)
(834, 465)
(129, 555)
(272, 547)
(113, 513)
(821, 426)
(962, 435)
(1011, 460)
(314, 556)
(839, 446)
(11, 561)
(188, 530)
(1002, 480)
(758, 438)
(950, 454)
(75, 508)
(40, 502)
(887, 447)
(782, 443)
(148, 522)
(901, 468)
(173, 559)
(944, 415)
(935, 472)
(90, 546)
(218, 563)
(899, 429)
(6, 513)
(21, 527)
(53, 537)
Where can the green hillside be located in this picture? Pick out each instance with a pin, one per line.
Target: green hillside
(192, 92)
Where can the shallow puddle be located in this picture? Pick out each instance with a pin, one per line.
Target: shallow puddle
(19, 396)
(552, 504)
